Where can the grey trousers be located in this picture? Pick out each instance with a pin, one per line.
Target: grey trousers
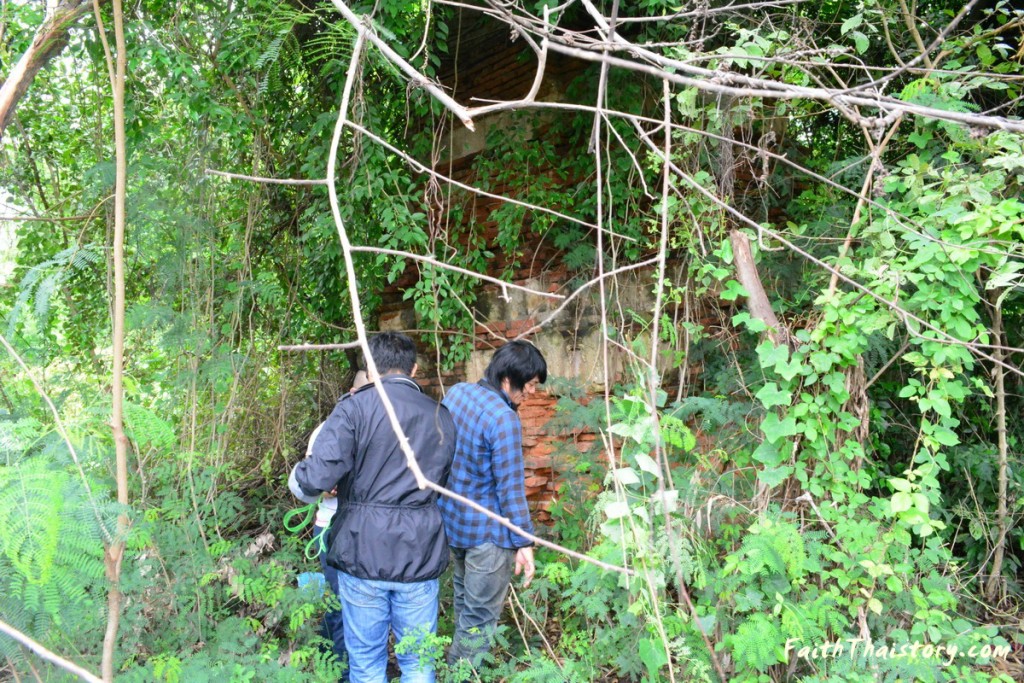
(481, 578)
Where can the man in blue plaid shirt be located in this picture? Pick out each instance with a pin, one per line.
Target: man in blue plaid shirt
(488, 469)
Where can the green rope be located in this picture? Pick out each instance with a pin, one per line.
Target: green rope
(308, 510)
(318, 543)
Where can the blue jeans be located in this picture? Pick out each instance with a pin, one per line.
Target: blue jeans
(373, 609)
(481, 577)
(334, 624)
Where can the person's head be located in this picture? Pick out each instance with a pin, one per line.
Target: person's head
(517, 368)
(393, 352)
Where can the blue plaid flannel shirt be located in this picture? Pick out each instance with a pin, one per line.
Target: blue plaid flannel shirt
(488, 469)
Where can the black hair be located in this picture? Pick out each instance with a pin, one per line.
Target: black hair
(392, 351)
(518, 362)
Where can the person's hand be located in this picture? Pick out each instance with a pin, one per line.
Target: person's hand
(525, 566)
(333, 493)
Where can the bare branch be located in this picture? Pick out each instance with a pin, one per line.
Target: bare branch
(318, 347)
(757, 299)
(531, 96)
(738, 85)
(267, 181)
(114, 551)
(50, 40)
(709, 11)
(362, 27)
(908, 21)
(535, 539)
(441, 264)
(598, 280)
(721, 83)
(48, 655)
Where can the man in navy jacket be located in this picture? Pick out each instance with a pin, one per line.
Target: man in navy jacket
(387, 539)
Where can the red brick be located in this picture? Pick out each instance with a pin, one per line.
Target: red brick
(533, 463)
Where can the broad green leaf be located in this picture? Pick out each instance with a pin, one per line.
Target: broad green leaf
(652, 654)
(860, 41)
(767, 454)
(770, 396)
(647, 464)
(626, 476)
(946, 437)
(617, 510)
(733, 290)
(773, 476)
(901, 502)
(851, 23)
(771, 355)
(774, 429)
(900, 484)
(921, 138)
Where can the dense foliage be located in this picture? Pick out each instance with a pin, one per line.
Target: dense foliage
(850, 477)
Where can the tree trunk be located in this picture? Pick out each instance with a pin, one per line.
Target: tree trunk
(50, 39)
(993, 587)
(115, 551)
(757, 300)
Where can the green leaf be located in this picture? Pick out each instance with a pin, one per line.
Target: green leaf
(984, 54)
(851, 23)
(617, 510)
(773, 476)
(774, 429)
(901, 502)
(771, 355)
(770, 396)
(767, 453)
(733, 290)
(647, 464)
(900, 484)
(755, 325)
(652, 654)
(860, 41)
(920, 138)
(626, 476)
(945, 436)
(789, 369)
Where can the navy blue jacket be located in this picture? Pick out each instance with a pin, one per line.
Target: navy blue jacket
(386, 527)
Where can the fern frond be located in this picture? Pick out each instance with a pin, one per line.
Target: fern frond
(44, 292)
(42, 280)
(147, 429)
(756, 642)
(31, 508)
(16, 436)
